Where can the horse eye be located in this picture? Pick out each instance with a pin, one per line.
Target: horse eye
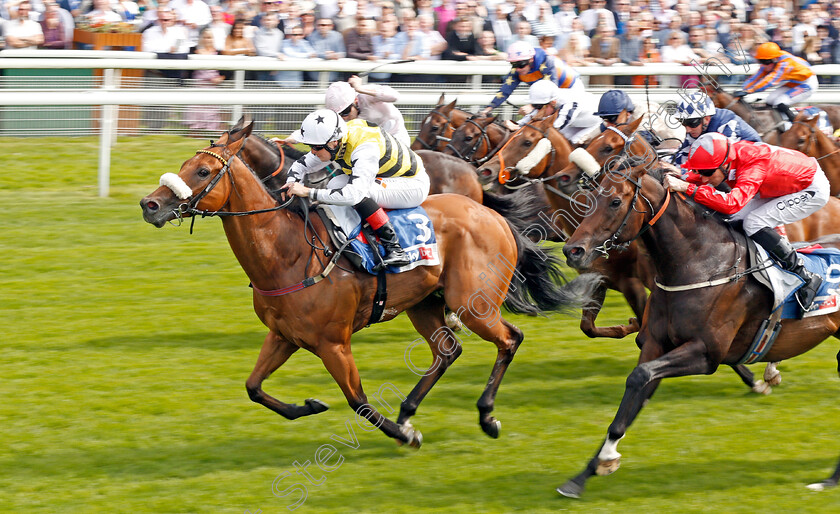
(527, 143)
(608, 149)
(467, 138)
(435, 128)
(203, 173)
(801, 140)
(615, 203)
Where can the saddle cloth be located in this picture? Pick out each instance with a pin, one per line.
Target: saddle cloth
(823, 261)
(413, 227)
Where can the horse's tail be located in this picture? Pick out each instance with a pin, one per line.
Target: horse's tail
(520, 208)
(539, 285)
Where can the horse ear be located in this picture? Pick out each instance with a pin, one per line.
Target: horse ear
(239, 124)
(631, 127)
(441, 99)
(812, 120)
(234, 144)
(549, 121)
(487, 120)
(448, 108)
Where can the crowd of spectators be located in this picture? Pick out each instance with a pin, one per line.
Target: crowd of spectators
(582, 32)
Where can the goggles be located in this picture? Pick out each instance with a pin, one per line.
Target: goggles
(692, 123)
(520, 64)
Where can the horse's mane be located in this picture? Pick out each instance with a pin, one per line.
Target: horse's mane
(291, 152)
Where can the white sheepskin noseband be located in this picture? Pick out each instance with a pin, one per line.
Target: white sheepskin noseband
(585, 162)
(176, 184)
(534, 157)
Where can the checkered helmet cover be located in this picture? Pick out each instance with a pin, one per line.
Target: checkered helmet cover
(697, 105)
(708, 152)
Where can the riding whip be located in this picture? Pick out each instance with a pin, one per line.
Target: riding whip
(368, 72)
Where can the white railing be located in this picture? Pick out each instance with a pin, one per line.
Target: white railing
(109, 95)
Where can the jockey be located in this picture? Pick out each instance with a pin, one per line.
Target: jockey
(698, 115)
(374, 103)
(530, 65)
(771, 186)
(379, 171)
(797, 80)
(616, 108)
(574, 110)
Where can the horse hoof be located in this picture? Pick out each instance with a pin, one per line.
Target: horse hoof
(762, 387)
(774, 380)
(317, 406)
(570, 489)
(822, 486)
(492, 428)
(413, 436)
(453, 322)
(608, 467)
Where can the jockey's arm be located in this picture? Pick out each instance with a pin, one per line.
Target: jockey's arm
(365, 161)
(306, 164)
(378, 92)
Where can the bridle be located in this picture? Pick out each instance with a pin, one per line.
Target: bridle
(505, 174)
(442, 135)
(812, 141)
(483, 138)
(590, 182)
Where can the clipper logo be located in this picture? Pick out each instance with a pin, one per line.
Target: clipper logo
(790, 202)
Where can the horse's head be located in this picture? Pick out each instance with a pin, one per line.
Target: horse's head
(619, 209)
(437, 128)
(468, 138)
(529, 152)
(200, 183)
(802, 134)
(585, 164)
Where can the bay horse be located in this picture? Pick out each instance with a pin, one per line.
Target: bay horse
(684, 332)
(477, 140)
(286, 252)
(437, 128)
(624, 271)
(804, 136)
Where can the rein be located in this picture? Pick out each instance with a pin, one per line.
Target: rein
(468, 156)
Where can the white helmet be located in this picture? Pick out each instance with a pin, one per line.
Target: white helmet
(339, 96)
(542, 91)
(320, 127)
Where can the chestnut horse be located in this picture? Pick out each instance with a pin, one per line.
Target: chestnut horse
(437, 128)
(684, 332)
(285, 252)
(477, 140)
(804, 136)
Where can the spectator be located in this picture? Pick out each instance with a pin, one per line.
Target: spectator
(127, 9)
(604, 51)
(630, 47)
(576, 53)
(622, 16)
(424, 8)
(591, 18)
(22, 32)
(500, 26)
(165, 36)
(385, 46)
(236, 42)
(101, 14)
(697, 42)
(437, 43)
(564, 17)
(358, 40)
(266, 6)
(346, 17)
(204, 117)
(328, 43)
(193, 15)
(675, 23)
(53, 29)
(583, 39)
(74, 7)
(712, 45)
(547, 44)
(524, 11)
(218, 27)
(412, 44)
(810, 50)
(489, 49)
(544, 24)
(461, 44)
(523, 33)
(804, 29)
(295, 47)
(649, 53)
(307, 20)
(268, 42)
(677, 51)
(466, 9)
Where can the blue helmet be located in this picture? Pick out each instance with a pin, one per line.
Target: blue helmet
(613, 102)
(697, 105)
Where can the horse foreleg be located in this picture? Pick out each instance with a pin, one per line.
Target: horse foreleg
(828, 482)
(338, 359)
(688, 359)
(587, 319)
(274, 352)
(427, 318)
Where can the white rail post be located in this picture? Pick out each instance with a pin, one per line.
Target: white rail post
(238, 84)
(106, 129)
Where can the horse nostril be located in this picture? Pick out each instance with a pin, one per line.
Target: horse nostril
(484, 172)
(152, 206)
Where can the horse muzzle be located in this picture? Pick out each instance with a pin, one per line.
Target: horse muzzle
(158, 212)
(487, 174)
(577, 256)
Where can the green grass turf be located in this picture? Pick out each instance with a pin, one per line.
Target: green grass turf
(126, 348)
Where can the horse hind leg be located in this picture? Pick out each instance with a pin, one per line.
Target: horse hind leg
(490, 425)
(428, 318)
(274, 352)
(338, 359)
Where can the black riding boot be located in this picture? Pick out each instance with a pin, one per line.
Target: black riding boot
(786, 111)
(783, 252)
(381, 225)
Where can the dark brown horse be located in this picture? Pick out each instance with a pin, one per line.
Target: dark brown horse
(684, 332)
(804, 136)
(477, 140)
(437, 128)
(273, 246)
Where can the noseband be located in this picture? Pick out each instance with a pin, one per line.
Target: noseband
(438, 137)
(468, 156)
(505, 171)
(612, 242)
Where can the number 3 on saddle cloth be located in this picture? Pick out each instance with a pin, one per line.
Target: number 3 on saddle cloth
(784, 284)
(413, 227)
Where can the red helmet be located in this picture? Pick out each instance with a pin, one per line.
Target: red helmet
(710, 151)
